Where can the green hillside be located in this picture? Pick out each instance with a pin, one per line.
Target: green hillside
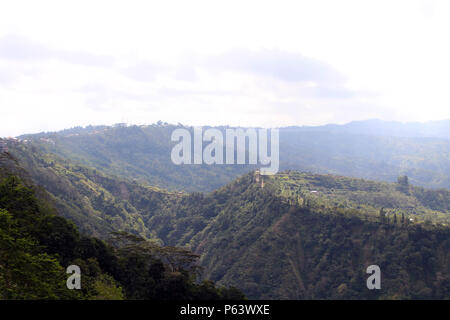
(143, 153)
(365, 198)
(290, 236)
(139, 153)
(37, 245)
(274, 247)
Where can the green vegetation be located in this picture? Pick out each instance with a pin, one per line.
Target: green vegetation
(96, 203)
(140, 153)
(374, 157)
(143, 153)
(364, 198)
(290, 236)
(36, 246)
(268, 245)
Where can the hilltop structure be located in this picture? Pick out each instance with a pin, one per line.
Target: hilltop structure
(259, 178)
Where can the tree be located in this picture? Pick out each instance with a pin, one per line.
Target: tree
(26, 273)
(382, 215)
(403, 184)
(402, 180)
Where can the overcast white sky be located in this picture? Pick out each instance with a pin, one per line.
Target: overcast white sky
(248, 63)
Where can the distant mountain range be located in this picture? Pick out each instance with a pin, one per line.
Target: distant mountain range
(372, 149)
(290, 236)
(295, 235)
(431, 129)
(306, 233)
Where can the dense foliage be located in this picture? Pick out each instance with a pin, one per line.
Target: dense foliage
(274, 247)
(359, 150)
(140, 153)
(292, 236)
(36, 246)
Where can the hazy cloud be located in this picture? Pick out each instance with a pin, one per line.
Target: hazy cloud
(315, 78)
(277, 64)
(6, 76)
(99, 97)
(290, 63)
(173, 92)
(14, 47)
(144, 71)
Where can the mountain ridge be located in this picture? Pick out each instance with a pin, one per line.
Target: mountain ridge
(143, 153)
(300, 237)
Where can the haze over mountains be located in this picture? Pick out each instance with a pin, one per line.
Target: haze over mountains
(294, 235)
(370, 149)
(300, 145)
(430, 129)
(291, 236)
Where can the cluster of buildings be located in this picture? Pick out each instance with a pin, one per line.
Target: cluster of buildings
(4, 142)
(48, 140)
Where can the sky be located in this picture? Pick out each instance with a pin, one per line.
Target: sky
(239, 63)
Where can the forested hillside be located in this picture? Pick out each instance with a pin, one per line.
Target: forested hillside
(210, 158)
(96, 203)
(37, 245)
(291, 236)
(372, 151)
(140, 153)
(277, 247)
